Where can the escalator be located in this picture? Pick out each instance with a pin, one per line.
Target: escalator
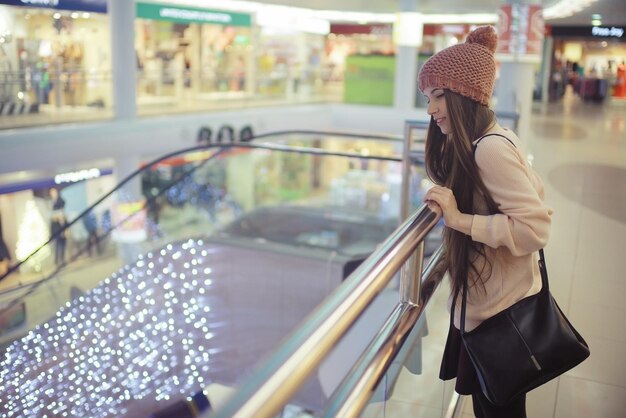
(221, 254)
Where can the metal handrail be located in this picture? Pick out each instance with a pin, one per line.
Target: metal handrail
(280, 376)
(357, 388)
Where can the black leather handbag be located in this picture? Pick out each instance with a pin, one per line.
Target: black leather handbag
(524, 346)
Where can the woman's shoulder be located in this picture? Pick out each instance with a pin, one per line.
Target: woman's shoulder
(498, 135)
(498, 147)
(497, 140)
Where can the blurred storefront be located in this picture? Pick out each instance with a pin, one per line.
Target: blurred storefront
(46, 61)
(186, 53)
(289, 57)
(362, 58)
(590, 60)
(27, 205)
(347, 40)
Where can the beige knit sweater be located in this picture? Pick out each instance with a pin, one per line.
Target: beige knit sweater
(512, 237)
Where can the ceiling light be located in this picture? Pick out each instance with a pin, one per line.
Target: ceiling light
(566, 8)
(596, 22)
(408, 29)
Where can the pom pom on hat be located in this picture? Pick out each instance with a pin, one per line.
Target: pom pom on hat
(485, 36)
(468, 69)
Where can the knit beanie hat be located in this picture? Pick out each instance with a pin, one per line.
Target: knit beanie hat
(468, 69)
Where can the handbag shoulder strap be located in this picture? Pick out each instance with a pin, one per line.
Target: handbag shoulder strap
(475, 145)
(542, 263)
(543, 270)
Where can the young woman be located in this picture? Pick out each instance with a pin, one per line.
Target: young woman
(492, 202)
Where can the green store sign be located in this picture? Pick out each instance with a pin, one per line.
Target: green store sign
(178, 14)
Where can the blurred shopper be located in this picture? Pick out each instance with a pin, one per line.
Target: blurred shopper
(57, 201)
(492, 202)
(5, 256)
(58, 223)
(90, 222)
(59, 232)
(620, 81)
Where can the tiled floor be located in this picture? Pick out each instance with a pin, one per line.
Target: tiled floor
(583, 163)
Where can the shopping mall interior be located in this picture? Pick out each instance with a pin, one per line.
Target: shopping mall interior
(216, 208)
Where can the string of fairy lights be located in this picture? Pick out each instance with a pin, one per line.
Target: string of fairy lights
(140, 339)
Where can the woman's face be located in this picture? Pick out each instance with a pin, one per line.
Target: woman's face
(437, 108)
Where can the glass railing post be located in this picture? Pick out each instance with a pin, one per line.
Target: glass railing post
(411, 271)
(410, 277)
(405, 202)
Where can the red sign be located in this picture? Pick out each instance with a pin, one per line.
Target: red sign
(536, 29)
(520, 30)
(449, 29)
(349, 29)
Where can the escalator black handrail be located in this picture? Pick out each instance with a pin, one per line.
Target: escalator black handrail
(204, 147)
(378, 137)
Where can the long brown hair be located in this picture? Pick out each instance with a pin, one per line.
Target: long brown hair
(450, 163)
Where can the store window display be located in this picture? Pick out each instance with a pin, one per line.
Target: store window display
(588, 68)
(289, 64)
(190, 60)
(51, 66)
(226, 50)
(186, 61)
(346, 40)
(37, 207)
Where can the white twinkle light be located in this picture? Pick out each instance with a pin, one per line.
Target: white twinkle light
(126, 346)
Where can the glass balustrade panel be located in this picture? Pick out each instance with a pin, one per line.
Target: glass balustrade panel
(195, 270)
(412, 387)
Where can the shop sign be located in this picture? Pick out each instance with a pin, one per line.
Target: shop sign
(613, 32)
(76, 176)
(191, 15)
(95, 6)
(63, 178)
(520, 31)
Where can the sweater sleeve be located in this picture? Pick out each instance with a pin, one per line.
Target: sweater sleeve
(524, 224)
